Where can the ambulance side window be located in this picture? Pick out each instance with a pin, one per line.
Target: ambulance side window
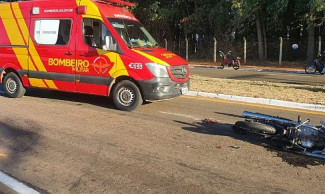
(94, 33)
(52, 32)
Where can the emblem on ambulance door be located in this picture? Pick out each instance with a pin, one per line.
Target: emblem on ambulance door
(101, 65)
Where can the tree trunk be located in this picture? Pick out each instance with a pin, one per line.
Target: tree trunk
(265, 40)
(311, 43)
(259, 36)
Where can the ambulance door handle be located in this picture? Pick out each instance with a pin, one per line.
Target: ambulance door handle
(68, 54)
(84, 55)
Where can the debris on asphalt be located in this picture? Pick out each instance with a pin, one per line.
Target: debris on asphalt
(234, 147)
(210, 121)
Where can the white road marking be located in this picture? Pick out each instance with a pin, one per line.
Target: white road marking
(16, 185)
(181, 115)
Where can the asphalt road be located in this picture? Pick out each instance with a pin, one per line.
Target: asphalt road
(72, 143)
(278, 77)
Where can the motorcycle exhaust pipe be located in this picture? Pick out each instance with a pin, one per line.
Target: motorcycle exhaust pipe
(266, 117)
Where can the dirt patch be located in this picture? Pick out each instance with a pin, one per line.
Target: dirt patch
(260, 89)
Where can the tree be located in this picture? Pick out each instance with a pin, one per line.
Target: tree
(264, 15)
(311, 12)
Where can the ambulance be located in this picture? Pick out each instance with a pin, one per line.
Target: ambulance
(86, 46)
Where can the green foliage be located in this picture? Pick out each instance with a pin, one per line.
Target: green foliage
(220, 17)
(180, 19)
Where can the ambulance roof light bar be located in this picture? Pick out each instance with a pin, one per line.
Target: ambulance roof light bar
(117, 2)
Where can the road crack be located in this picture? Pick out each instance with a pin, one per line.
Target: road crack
(88, 170)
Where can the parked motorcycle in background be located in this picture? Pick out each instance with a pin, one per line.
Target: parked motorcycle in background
(230, 61)
(315, 65)
(284, 133)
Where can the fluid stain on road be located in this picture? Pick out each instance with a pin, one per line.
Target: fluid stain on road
(297, 159)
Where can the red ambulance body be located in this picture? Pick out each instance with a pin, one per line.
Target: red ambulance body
(85, 46)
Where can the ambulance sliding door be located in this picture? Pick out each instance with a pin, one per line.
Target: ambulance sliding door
(53, 50)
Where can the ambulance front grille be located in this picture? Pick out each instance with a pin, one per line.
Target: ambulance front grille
(179, 72)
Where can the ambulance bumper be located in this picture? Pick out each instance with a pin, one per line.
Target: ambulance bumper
(163, 88)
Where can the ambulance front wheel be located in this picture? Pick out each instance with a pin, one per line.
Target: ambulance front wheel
(127, 96)
(13, 86)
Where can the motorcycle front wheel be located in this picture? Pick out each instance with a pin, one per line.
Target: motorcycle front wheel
(310, 68)
(222, 66)
(236, 66)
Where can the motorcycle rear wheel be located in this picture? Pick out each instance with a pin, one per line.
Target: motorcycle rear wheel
(310, 68)
(255, 127)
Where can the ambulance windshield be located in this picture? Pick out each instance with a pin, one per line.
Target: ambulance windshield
(133, 33)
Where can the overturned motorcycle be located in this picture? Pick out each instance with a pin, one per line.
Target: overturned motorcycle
(284, 133)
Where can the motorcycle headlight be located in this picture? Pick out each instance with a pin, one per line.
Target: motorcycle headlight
(157, 70)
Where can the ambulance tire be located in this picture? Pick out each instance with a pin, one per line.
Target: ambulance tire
(13, 86)
(127, 96)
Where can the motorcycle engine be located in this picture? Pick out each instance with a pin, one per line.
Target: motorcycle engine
(308, 136)
(306, 143)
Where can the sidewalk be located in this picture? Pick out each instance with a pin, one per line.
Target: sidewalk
(264, 67)
(264, 101)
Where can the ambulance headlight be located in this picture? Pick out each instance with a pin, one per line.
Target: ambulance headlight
(157, 70)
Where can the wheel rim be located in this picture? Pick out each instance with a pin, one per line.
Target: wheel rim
(126, 96)
(12, 86)
(311, 69)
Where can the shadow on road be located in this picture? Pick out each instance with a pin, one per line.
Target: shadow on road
(17, 141)
(14, 140)
(221, 129)
(231, 115)
(244, 77)
(2, 93)
(78, 98)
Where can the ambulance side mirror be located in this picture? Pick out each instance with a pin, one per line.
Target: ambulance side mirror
(109, 44)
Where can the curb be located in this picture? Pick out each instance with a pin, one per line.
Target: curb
(273, 70)
(15, 185)
(280, 103)
(251, 69)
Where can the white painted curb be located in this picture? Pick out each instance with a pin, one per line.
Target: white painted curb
(16, 185)
(280, 103)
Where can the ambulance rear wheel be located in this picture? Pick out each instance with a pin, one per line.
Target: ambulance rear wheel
(13, 86)
(127, 96)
